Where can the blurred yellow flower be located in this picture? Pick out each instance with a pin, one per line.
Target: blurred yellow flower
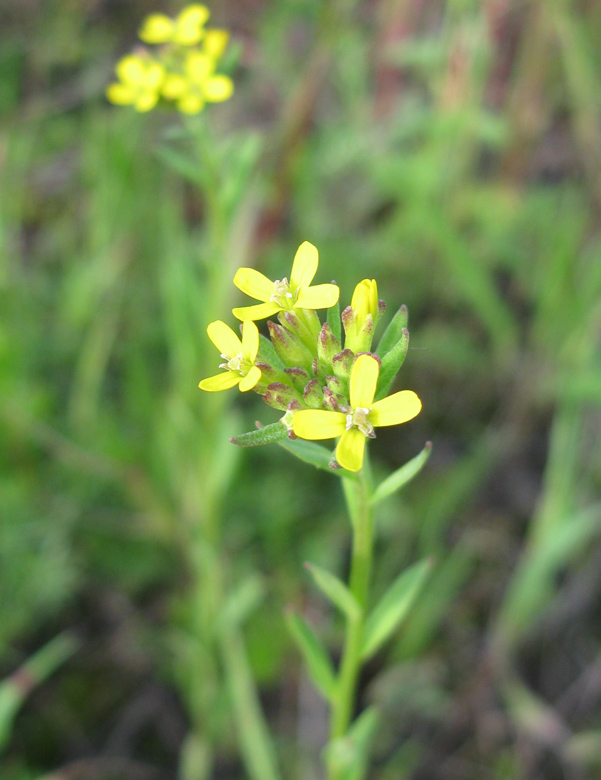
(358, 423)
(187, 29)
(239, 357)
(199, 84)
(140, 82)
(284, 295)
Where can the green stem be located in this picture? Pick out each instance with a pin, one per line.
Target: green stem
(253, 734)
(357, 494)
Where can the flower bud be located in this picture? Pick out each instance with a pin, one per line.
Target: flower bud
(341, 363)
(280, 396)
(297, 378)
(313, 394)
(360, 318)
(290, 349)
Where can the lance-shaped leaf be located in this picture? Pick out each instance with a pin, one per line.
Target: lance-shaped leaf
(15, 689)
(393, 332)
(315, 455)
(394, 607)
(335, 590)
(241, 602)
(391, 363)
(333, 320)
(318, 661)
(265, 435)
(401, 476)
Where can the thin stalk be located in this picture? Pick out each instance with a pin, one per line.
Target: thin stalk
(357, 494)
(253, 734)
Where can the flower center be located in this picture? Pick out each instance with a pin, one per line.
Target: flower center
(237, 364)
(282, 295)
(359, 418)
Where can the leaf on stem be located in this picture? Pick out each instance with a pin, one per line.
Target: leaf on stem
(315, 455)
(348, 756)
(318, 661)
(393, 332)
(391, 363)
(402, 475)
(264, 435)
(335, 590)
(242, 602)
(394, 607)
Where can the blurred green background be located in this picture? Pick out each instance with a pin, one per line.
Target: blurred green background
(451, 149)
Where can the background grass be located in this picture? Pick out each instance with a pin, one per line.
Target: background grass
(452, 150)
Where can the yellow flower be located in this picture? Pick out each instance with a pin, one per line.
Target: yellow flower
(358, 423)
(214, 42)
(361, 316)
(199, 85)
(187, 29)
(284, 295)
(140, 82)
(239, 357)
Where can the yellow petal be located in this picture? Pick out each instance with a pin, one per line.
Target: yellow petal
(322, 296)
(215, 42)
(218, 88)
(131, 70)
(373, 299)
(191, 103)
(223, 381)
(224, 338)
(318, 424)
(396, 409)
(250, 340)
(360, 299)
(304, 266)
(250, 380)
(199, 67)
(155, 73)
(350, 449)
(157, 28)
(189, 25)
(146, 100)
(254, 283)
(120, 94)
(364, 379)
(259, 312)
(174, 86)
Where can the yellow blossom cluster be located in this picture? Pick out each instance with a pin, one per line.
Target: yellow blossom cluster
(180, 71)
(327, 390)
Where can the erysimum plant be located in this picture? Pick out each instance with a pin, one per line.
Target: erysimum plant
(330, 383)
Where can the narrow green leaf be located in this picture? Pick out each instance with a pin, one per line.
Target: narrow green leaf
(242, 601)
(402, 475)
(391, 363)
(268, 354)
(315, 455)
(266, 435)
(335, 590)
(318, 662)
(185, 166)
(393, 332)
(394, 607)
(16, 688)
(333, 318)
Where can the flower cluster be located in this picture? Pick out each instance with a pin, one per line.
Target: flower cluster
(182, 70)
(328, 389)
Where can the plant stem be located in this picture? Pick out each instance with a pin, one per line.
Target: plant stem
(357, 494)
(253, 734)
